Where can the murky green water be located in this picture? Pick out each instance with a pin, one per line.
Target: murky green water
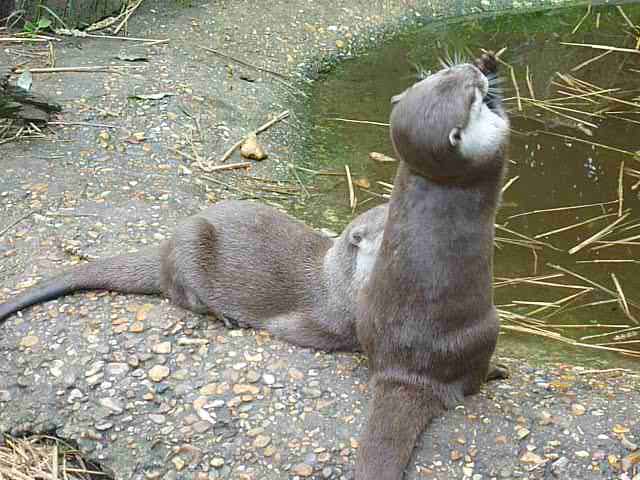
(552, 171)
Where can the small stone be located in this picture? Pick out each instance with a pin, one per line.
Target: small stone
(117, 368)
(582, 454)
(253, 376)
(102, 426)
(251, 148)
(111, 404)
(5, 396)
(159, 373)
(578, 409)
(217, 462)
(241, 389)
(268, 379)
(157, 418)
(302, 470)
(531, 458)
(456, 455)
(312, 392)
(261, 441)
(162, 347)
(209, 389)
(522, 433)
(29, 341)
(270, 451)
(296, 374)
(557, 468)
(630, 461)
(179, 463)
(136, 327)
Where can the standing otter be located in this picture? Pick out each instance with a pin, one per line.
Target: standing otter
(426, 317)
(249, 265)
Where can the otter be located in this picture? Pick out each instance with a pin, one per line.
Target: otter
(249, 265)
(426, 317)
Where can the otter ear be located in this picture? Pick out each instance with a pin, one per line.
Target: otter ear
(455, 136)
(396, 98)
(356, 235)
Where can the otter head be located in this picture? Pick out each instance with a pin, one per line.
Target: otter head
(449, 127)
(354, 252)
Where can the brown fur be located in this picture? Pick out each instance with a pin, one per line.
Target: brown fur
(426, 318)
(248, 264)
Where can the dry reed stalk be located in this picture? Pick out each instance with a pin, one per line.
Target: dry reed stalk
(505, 281)
(257, 131)
(364, 122)
(530, 83)
(601, 47)
(590, 282)
(622, 241)
(509, 183)
(590, 61)
(514, 81)
(569, 341)
(352, 193)
(579, 24)
(608, 334)
(561, 209)
(554, 110)
(560, 302)
(575, 225)
(598, 235)
(593, 144)
(609, 261)
(626, 19)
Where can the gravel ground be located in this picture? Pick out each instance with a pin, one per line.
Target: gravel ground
(152, 391)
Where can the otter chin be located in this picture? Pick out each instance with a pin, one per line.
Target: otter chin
(450, 125)
(426, 318)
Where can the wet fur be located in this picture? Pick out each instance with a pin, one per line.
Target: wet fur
(247, 264)
(426, 318)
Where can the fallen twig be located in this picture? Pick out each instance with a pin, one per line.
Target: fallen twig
(259, 130)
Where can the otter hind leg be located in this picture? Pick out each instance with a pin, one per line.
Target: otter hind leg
(192, 285)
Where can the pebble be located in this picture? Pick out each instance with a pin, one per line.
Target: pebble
(217, 462)
(261, 441)
(268, 379)
(578, 409)
(302, 470)
(162, 347)
(157, 418)
(557, 468)
(158, 373)
(102, 426)
(582, 454)
(94, 368)
(531, 458)
(5, 396)
(117, 369)
(29, 341)
(111, 404)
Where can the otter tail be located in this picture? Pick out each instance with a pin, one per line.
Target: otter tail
(398, 413)
(132, 273)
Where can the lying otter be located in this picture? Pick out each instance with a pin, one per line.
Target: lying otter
(248, 264)
(426, 317)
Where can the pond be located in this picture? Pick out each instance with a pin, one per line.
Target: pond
(568, 230)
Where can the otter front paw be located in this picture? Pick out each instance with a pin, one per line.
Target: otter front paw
(497, 371)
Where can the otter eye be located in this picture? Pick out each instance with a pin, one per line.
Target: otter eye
(455, 136)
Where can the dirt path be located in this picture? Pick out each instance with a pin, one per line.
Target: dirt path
(152, 391)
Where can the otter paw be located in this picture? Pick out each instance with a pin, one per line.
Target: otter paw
(497, 371)
(232, 323)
